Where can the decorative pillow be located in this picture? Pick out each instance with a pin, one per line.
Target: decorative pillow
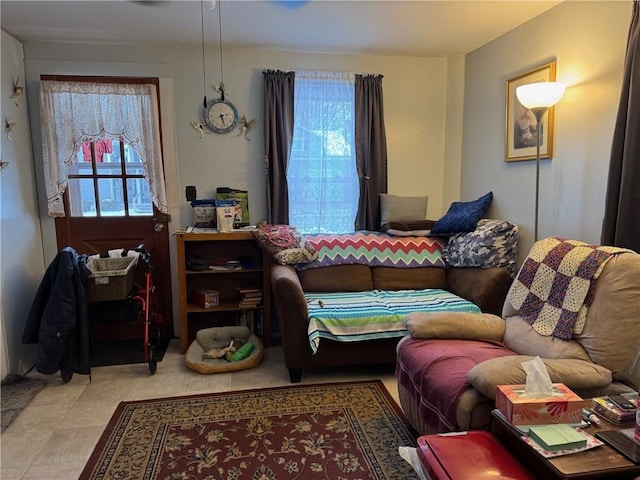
(460, 325)
(396, 208)
(494, 243)
(463, 216)
(507, 370)
(284, 243)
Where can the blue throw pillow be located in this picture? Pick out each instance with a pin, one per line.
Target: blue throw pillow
(462, 216)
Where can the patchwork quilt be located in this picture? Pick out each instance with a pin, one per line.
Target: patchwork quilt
(375, 249)
(374, 314)
(556, 283)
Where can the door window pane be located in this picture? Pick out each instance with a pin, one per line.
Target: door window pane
(139, 197)
(133, 161)
(111, 197)
(82, 197)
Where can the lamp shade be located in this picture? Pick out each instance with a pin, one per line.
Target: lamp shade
(540, 94)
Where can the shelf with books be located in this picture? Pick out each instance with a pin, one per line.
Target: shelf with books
(250, 272)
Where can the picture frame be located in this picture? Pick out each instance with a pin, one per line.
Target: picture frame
(520, 123)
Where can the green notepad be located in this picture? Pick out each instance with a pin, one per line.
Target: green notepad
(557, 437)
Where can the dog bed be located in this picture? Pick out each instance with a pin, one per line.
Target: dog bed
(218, 338)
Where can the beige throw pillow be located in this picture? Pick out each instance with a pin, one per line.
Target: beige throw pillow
(397, 208)
(458, 325)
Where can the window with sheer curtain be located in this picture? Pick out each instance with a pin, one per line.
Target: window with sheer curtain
(78, 115)
(322, 178)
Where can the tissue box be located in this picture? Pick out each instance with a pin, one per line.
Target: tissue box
(206, 298)
(519, 410)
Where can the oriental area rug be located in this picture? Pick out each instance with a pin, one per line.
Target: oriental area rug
(346, 431)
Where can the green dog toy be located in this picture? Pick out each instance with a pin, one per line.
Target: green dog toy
(243, 352)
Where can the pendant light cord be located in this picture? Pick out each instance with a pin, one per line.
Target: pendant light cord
(220, 42)
(204, 70)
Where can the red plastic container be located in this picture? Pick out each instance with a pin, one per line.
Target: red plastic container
(473, 455)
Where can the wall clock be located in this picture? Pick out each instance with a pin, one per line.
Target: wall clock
(221, 116)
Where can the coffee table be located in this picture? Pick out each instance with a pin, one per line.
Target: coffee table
(598, 463)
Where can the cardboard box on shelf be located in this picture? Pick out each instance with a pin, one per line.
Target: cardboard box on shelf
(205, 298)
(563, 406)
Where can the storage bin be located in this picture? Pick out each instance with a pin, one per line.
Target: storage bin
(110, 278)
(475, 454)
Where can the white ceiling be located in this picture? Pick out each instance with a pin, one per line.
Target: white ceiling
(416, 28)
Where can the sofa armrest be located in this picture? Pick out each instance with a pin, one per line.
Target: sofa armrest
(458, 325)
(486, 287)
(291, 312)
(575, 374)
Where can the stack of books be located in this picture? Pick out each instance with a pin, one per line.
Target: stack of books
(610, 410)
(250, 297)
(556, 437)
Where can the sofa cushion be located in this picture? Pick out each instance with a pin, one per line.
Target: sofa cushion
(462, 216)
(436, 385)
(611, 335)
(339, 278)
(373, 314)
(461, 325)
(578, 375)
(389, 278)
(520, 337)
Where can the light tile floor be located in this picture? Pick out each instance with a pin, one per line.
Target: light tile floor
(54, 436)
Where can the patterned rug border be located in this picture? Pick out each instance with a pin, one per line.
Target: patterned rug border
(110, 429)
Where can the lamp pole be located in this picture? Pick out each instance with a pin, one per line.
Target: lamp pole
(538, 97)
(538, 113)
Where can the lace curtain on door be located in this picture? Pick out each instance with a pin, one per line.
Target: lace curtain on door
(73, 113)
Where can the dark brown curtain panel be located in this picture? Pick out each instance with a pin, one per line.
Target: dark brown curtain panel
(621, 224)
(278, 136)
(371, 150)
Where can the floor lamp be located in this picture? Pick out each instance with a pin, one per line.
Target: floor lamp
(539, 97)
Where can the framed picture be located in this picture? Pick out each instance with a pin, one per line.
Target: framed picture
(521, 125)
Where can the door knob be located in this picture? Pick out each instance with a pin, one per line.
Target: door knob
(158, 227)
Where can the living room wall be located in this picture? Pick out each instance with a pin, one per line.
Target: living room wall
(417, 93)
(22, 266)
(415, 96)
(588, 41)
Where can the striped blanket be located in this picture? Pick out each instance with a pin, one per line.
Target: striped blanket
(375, 249)
(374, 314)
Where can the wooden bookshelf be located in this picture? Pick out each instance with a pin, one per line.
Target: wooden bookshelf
(217, 249)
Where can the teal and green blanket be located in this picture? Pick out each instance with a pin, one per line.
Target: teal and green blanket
(373, 314)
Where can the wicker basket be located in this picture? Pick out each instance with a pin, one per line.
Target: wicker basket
(110, 278)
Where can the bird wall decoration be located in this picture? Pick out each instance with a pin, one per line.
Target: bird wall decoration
(244, 126)
(8, 128)
(18, 91)
(199, 127)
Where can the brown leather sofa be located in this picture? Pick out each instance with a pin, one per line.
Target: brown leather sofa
(486, 287)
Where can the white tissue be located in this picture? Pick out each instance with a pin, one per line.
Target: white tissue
(538, 383)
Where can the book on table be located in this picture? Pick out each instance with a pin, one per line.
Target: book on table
(604, 407)
(554, 437)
